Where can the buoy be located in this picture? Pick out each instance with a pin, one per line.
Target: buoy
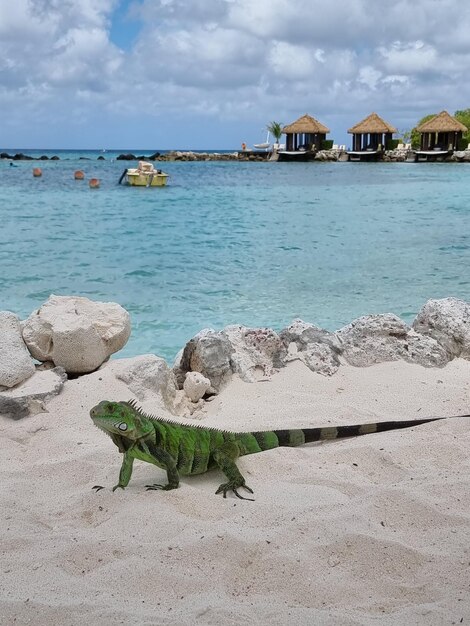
(79, 175)
(37, 171)
(94, 183)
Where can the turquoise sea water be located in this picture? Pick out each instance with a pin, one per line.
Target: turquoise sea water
(252, 243)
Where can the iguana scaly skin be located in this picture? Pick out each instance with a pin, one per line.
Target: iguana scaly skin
(189, 450)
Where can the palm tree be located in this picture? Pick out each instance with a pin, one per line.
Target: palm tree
(275, 128)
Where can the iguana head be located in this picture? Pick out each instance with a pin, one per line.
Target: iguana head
(120, 418)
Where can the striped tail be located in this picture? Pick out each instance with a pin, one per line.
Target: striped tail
(298, 437)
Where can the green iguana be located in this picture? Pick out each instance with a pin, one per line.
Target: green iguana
(189, 450)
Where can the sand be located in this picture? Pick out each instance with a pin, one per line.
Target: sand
(368, 530)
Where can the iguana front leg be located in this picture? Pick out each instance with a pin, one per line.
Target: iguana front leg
(225, 457)
(126, 471)
(124, 475)
(165, 460)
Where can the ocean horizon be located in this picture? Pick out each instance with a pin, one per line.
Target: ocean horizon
(73, 153)
(258, 244)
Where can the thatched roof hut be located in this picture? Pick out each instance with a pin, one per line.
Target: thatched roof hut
(306, 134)
(372, 133)
(373, 123)
(306, 124)
(442, 132)
(443, 122)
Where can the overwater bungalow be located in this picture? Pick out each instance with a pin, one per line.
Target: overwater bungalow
(371, 136)
(440, 136)
(303, 138)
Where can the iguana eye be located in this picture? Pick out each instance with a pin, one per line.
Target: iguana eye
(122, 426)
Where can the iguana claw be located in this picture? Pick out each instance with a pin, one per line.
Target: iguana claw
(161, 487)
(224, 487)
(97, 487)
(117, 487)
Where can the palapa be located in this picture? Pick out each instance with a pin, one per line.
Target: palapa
(306, 124)
(373, 123)
(442, 123)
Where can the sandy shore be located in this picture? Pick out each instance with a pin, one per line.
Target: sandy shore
(368, 530)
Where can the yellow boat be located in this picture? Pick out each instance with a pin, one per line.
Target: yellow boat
(145, 175)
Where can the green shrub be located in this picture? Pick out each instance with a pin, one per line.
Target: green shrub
(392, 144)
(327, 144)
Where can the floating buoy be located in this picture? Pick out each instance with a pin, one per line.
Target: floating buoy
(79, 175)
(94, 183)
(37, 171)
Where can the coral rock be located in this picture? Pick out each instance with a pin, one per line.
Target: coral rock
(76, 333)
(149, 378)
(195, 385)
(316, 347)
(16, 364)
(31, 396)
(448, 322)
(209, 353)
(377, 338)
(256, 351)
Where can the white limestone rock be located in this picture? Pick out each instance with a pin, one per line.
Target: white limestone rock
(209, 353)
(377, 338)
(424, 351)
(256, 351)
(317, 348)
(303, 333)
(448, 322)
(372, 339)
(320, 358)
(16, 364)
(195, 385)
(31, 396)
(76, 333)
(149, 378)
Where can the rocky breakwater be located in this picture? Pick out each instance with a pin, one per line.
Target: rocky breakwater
(19, 156)
(178, 155)
(459, 156)
(72, 337)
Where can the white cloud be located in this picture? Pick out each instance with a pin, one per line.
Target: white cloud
(409, 58)
(291, 62)
(369, 76)
(236, 61)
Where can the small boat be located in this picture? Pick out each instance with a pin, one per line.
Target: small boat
(263, 146)
(145, 175)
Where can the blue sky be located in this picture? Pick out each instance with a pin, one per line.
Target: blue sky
(160, 74)
(125, 26)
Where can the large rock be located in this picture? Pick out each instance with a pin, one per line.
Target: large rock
(303, 333)
(256, 351)
(76, 333)
(317, 348)
(448, 322)
(209, 353)
(16, 364)
(319, 357)
(149, 378)
(31, 396)
(377, 338)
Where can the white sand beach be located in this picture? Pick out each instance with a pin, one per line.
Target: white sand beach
(367, 530)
